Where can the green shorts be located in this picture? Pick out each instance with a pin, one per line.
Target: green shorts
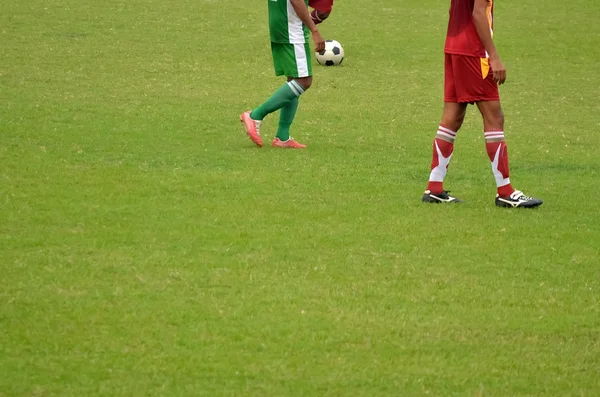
(292, 60)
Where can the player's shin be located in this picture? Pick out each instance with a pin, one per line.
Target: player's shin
(286, 117)
(443, 146)
(498, 155)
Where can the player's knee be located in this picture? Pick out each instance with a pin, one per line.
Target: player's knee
(305, 82)
(496, 119)
(460, 118)
(455, 126)
(493, 116)
(453, 121)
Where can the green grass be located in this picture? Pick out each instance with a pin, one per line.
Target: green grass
(148, 249)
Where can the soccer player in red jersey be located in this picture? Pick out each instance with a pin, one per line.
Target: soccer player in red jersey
(321, 10)
(473, 71)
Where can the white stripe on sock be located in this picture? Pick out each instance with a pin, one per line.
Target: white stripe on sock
(447, 130)
(447, 135)
(439, 173)
(299, 87)
(293, 87)
(493, 134)
(500, 179)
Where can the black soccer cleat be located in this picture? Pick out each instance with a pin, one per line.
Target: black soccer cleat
(518, 200)
(437, 198)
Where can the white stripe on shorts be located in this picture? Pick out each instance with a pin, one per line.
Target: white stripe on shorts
(301, 60)
(295, 26)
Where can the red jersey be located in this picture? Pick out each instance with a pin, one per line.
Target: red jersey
(462, 37)
(321, 5)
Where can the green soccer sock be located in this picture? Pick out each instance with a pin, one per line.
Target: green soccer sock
(279, 99)
(286, 117)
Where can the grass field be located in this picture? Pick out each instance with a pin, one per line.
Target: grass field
(148, 249)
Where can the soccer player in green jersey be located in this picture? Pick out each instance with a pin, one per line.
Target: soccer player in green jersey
(289, 26)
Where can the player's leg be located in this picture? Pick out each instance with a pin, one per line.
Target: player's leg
(286, 117)
(299, 74)
(288, 112)
(321, 10)
(477, 85)
(286, 63)
(493, 129)
(495, 144)
(485, 89)
(293, 61)
(443, 143)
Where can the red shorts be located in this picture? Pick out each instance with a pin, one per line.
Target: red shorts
(468, 80)
(321, 5)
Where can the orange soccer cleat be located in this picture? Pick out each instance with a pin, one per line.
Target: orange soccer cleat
(252, 128)
(289, 144)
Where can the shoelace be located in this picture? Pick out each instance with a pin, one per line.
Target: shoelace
(518, 195)
(257, 124)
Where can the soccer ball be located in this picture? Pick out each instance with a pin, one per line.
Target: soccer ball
(332, 55)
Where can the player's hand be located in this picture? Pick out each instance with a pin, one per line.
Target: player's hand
(498, 69)
(318, 39)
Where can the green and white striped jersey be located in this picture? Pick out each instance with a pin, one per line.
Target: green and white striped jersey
(284, 24)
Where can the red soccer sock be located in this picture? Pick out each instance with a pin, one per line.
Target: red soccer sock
(443, 146)
(498, 154)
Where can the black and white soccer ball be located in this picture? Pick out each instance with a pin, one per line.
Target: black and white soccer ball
(332, 55)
